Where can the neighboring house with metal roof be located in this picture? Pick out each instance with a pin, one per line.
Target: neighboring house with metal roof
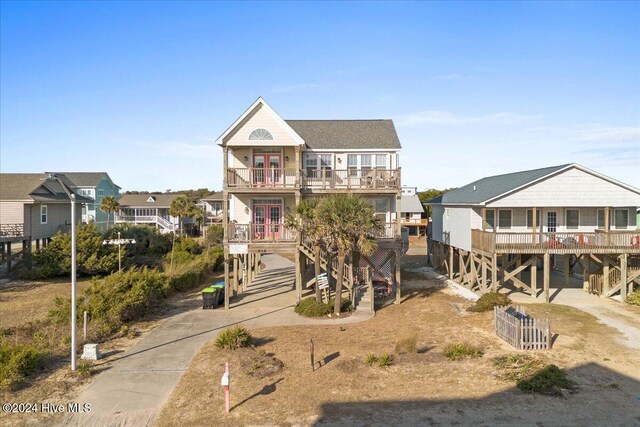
(151, 209)
(34, 207)
(412, 212)
(271, 164)
(562, 211)
(96, 185)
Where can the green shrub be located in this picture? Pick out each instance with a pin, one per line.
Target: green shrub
(214, 235)
(345, 305)
(488, 301)
(549, 380)
(457, 351)
(92, 257)
(84, 368)
(234, 337)
(149, 241)
(309, 307)
(371, 359)
(634, 298)
(17, 361)
(407, 344)
(385, 360)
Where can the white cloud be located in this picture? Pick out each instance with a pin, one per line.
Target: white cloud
(603, 134)
(434, 117)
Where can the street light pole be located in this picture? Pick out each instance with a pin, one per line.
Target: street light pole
(73, 281)
(72, 199)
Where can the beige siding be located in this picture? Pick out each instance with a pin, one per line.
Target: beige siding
(239, 204)
(237, 155)
(11, 213)
(571, 188)
(261, 118)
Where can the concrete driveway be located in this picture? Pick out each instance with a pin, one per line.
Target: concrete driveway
(134, 389)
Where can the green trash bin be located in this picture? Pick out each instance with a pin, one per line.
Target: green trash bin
(220, 287)
(210, 297)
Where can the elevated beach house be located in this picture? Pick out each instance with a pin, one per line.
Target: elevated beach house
(211, 207)
(150, 209)
(33, 208)
(413, 216)
(491, 232)
(271, 164)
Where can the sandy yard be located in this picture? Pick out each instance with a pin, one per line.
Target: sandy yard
(418, 389)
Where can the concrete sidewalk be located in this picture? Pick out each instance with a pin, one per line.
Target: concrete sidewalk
(134, 389)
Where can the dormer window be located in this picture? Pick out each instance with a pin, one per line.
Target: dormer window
(151, 199)
(260, 135)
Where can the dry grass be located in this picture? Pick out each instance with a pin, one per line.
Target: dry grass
(345, 389)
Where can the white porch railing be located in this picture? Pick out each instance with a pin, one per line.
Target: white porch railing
(147, 219)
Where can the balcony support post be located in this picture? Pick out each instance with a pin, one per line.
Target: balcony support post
(227, 288)
(623, 276)
(534, 277)
(396, 277)
(494, 273)
(567, 269)
(547, 275)
(299, 260)
(9, 257)
(450, 266)
(485, 284)
(605, 274)
(586, 271)
(235, 274)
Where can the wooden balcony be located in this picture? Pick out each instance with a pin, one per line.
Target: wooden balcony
(597, 242)
(263, 178)
(260, 233)
(423, 222)
(374, 180)
(354, 179)
(9, 232)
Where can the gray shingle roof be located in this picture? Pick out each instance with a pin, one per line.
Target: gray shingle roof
(216, 195)
(411, 204)
(35, 186)
(140, 200)
(86, 179)
(487, 188)
(347, 134)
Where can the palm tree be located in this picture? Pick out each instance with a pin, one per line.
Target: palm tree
(109, 204)
(348, 223)
(182, 207)
(305, 222)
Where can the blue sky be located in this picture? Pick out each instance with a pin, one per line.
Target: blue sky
(141, 90)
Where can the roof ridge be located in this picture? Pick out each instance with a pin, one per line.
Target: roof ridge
(336, 120)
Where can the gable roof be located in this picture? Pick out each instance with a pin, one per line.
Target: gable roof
(347, 134)
(215, 196)
(492, 187)
(259, 103)
(410, 204)
(36, 186)
(87, 179)
(141, 200)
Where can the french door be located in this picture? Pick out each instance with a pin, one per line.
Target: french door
(552, 222)
(267, 169)
(267, 220)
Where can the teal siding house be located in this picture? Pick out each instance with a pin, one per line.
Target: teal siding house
(96, 185)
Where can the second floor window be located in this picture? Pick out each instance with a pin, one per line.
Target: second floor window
(490, 217)
(43, 214)
(572, 219)
(504, 219)
(621, 218)
(315, 163)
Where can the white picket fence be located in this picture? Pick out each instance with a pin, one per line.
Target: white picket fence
(520, 330)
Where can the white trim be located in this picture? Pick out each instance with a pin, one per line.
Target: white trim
(46, 214)
(559, 171)
(259, 101)
(615, 226)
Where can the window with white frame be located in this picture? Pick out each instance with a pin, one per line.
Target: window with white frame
(44, 213)
(530, 218)
(100, 192)
(260, 134)
(316, 163)
(381, 161)
(504, 219)
(572, 219)
(380, 208)
(621, 218)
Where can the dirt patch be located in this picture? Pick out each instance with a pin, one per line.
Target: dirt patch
(22, 301)
(418, 388)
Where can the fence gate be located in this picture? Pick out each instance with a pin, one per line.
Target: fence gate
(520, 330)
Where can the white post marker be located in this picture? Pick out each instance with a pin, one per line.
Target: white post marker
(119, 242)
(84, 327)
(72, 196)
(224, 382)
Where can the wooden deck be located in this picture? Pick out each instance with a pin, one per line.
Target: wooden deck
(597, 242)
(336, 180)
